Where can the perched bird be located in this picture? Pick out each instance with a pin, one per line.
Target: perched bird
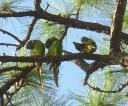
(87, 45)
(50, 41)
(54, 47)
(37, 48)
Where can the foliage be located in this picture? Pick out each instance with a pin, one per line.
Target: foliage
(106, 73)
(95, 98)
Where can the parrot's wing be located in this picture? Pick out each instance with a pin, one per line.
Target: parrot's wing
(50, 41)
(37, 48)
(55, 50)
(40, 50)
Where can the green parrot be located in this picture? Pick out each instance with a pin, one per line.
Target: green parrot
(87, 45)
(54, 47)
(37, 48)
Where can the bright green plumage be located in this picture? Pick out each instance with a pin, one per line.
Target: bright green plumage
(37, 48)
(54, 46)
(87, 45)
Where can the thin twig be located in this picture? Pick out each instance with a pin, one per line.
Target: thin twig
(10, 82)
(13, 93)
(109, 91)
(47, 6)
(87, 68)
(78, 9)
(91, 68)
(6, 69)
(10, 34)
(8, 44)
(28, 34)
(9, 100)
(64, 33)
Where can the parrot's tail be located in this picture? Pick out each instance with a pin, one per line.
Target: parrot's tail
(40, 74)
(56, 70)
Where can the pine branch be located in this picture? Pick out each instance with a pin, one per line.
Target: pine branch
(10, 82)
(66, 21)
(8, 44)
(28, 34)
(104, 58)
(10, 34)
(116, 27)
(109, 91)
(6, 69)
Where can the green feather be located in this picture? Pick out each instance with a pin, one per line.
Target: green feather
(50, 41)
(37, 48)
(54, 49)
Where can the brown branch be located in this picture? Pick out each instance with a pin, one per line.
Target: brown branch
(82, 64)
(109, 91)
(87, 68)
(10, 34)
(6, 69)
(28, 34)
(116, 27)
(77, 16)
(9, 100)
(47, 6)
(10, 95)
(79, 62)
(17, 14)
(61, 20)
(78, 9)
(8, 44)
(37, 4)
(108, 59)
(66, 21)
(91, 68)
(105, 59)
(1, 101)
(64, 33)
(16, 78)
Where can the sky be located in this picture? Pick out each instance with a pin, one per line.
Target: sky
(71, 76)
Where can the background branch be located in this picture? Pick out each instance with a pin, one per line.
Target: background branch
(10, 34)
(6, 69)
(28, 34)
(10, 82)
(109, 91)
(66, 21)
(8, 44)
(116, 27)
(106, 59)
(87, 68)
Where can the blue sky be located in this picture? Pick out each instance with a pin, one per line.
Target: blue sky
(71, 76)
